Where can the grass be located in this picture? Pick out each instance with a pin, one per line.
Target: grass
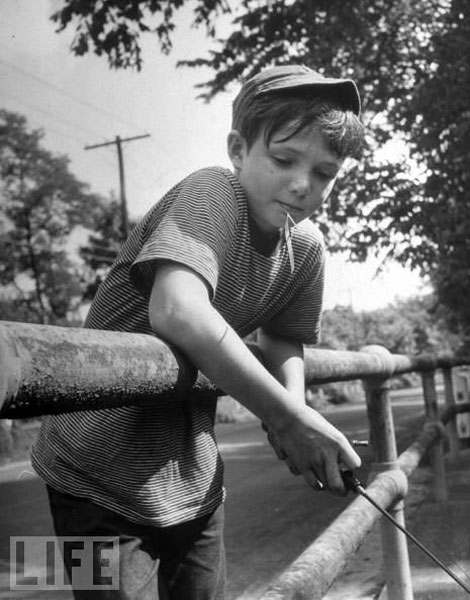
(16, 440)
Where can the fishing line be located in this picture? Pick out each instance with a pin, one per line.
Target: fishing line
(353, 484)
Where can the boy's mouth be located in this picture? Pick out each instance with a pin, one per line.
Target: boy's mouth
(292, 211)
(289, 220)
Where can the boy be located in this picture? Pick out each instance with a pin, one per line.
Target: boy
(221, 255)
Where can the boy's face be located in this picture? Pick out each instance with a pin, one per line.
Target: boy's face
(292, 176)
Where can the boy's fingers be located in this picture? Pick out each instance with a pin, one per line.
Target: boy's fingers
(313, 481)
(320, 476)
(334, 479)
(349, 456)
(292, 468)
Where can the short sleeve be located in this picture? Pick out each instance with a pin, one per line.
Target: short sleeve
(196, 229)
(301, 318)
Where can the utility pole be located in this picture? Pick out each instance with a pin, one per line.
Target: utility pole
(122, 182)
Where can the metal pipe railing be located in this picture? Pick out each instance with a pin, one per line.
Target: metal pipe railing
(452, 425)
(431, 432)
(439, 486)
(382, 434)
(100, 369)
(326, 366)
(49, 370)
(316, 569)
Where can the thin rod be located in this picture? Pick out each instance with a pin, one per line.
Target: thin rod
(409, 535)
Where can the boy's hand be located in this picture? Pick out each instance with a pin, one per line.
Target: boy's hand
(315, 449)
(272, 439)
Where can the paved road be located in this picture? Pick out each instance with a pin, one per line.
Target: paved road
(271, 515)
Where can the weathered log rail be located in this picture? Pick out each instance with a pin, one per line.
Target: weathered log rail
(49, 370)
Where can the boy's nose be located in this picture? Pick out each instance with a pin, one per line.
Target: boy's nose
(300, 185)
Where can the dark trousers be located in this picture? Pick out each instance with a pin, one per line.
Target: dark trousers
(180, 562)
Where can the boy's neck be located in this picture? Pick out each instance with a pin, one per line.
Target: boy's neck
(264, 243)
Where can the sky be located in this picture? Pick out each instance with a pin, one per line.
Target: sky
(80, 101)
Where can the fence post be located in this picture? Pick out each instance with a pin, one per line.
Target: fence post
(436, 452)
(394, 545)
(454, 442)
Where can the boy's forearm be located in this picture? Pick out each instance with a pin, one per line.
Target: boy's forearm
(284, 358)
(199, 331)
(224, 358)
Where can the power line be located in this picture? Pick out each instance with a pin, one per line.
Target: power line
(78, 140)
(68, 124)
(84, 103)
(46, 112)
(56, 131)
(66, 94)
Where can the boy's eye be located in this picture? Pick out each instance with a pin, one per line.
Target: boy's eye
(282, 161)
(325, 176)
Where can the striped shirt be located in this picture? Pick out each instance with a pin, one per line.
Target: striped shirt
(159, 464)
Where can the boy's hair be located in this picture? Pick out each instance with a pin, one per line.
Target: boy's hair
(293, 97)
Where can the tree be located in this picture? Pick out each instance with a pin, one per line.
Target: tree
(113, 28)
(442, 135)
(410, 60)
(103, 245)
(412, 326)
(41, 202)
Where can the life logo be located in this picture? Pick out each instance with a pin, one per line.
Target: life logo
(37, 563)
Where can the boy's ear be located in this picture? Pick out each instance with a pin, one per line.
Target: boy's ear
(236, 146)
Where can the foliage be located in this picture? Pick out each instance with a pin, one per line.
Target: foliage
(410, 60)
(412, 326)
(41, 203)
(103, 246)
(16, 439)
(230, 410)
(114, 27)
(320, 397)
(442, 135)
(6, 441)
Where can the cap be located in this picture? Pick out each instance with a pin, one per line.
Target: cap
(297, 77)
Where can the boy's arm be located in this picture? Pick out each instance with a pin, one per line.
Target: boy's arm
(181, 313)
(284, 358)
